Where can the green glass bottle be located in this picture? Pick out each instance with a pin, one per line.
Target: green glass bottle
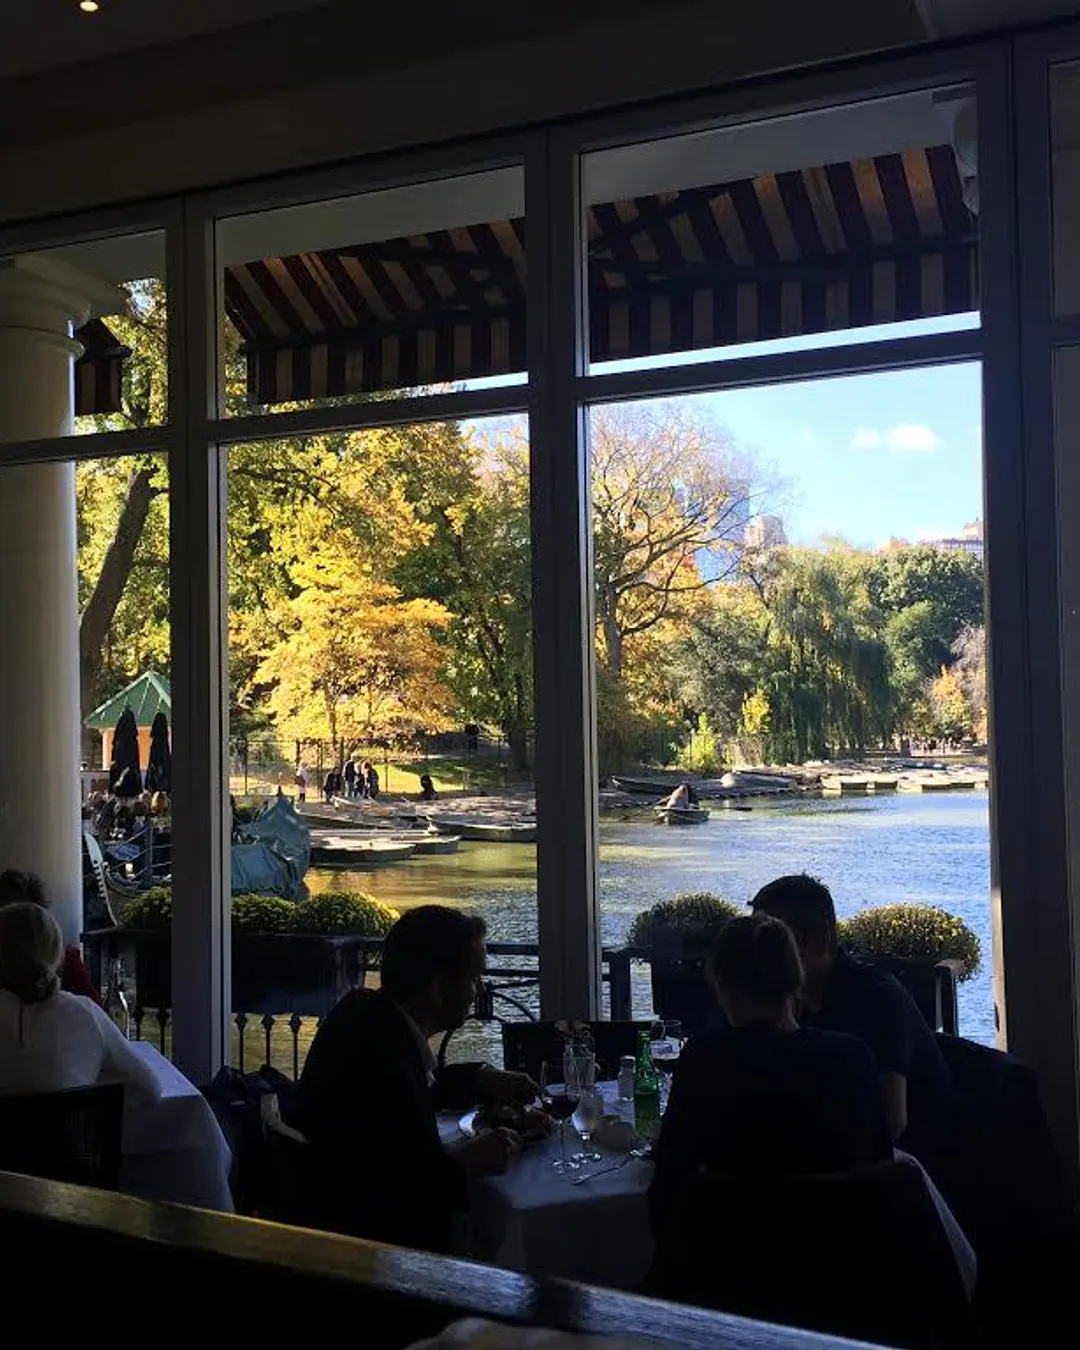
(646, 1090)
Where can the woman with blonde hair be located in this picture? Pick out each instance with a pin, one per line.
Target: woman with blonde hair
(51, 1040)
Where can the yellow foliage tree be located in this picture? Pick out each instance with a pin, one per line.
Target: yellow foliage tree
(358, 662)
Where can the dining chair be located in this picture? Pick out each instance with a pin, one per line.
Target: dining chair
(65, 1136)
(861, 1254)
(288, 1195)
(526, 1045)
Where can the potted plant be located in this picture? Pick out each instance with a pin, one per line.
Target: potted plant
(676, 935)
(286, 956)
(928, 949)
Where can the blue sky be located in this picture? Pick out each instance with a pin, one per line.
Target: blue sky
(868, 457)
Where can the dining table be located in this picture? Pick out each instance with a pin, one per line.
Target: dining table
(590, 1225)
(173, 1149)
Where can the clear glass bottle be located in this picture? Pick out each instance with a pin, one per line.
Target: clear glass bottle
(627, 1067)
(116, 1004)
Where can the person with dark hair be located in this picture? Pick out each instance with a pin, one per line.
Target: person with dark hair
(427, 788)
(840, 993)
(371, 1087)
(764, 1094)
(15, 887)
(51, 1040)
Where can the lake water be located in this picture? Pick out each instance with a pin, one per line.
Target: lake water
(913, 847)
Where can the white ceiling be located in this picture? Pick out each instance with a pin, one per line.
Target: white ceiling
(42, 34)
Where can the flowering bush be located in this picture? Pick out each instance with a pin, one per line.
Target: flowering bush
(253, 913)
(344, 913)
(696, 916)
(149, 909)
(908, 931)
(334, 913)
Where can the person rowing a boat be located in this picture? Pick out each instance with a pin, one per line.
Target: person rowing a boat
(682, 799)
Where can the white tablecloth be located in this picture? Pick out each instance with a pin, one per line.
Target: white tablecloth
(533, 1219)
(537, 1221)
(175, 1150)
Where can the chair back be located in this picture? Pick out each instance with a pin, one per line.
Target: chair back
(862, 1255)
(65, 1136)
(288, 1191)
(526, 1045)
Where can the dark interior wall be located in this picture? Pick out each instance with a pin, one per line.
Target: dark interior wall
(347, 79)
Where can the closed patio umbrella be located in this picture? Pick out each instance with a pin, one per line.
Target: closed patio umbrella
(159, 769)
(125, 775)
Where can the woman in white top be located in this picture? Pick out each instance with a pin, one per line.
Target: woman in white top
(51, 1040)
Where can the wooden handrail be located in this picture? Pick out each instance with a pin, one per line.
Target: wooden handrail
(217, 1272)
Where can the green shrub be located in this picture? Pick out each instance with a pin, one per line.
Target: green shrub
(149, 909)
(912, 931)
(253, 913)
(696, 916)
(344, 913)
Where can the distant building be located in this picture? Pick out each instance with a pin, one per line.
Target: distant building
(969, 540)
(764, 532)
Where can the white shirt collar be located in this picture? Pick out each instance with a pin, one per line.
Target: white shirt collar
(426, 1053)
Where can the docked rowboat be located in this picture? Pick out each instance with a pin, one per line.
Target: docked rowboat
(486, 831)
(681, 815)
(644, 787)
(341, 851)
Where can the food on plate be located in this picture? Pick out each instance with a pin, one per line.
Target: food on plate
(529, 1122)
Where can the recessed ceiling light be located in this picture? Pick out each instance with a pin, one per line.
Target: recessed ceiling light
(89, 6)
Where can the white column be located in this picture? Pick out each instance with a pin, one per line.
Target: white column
(39, 617)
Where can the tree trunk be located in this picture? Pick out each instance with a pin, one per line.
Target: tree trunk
(613, 640)
(116, 567)
(517, 738)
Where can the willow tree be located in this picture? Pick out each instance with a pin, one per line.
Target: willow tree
(826, 681)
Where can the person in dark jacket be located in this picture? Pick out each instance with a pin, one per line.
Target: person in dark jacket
(764, 1095)
(841, 993)
(370, 1090)
(15, 887)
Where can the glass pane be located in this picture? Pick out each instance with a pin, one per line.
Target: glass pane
(1065, 161)
(402, 291)
(381, 673)
(793, 231)
(83, 333)
(789, 589)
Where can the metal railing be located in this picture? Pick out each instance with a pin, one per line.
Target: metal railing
(509, 991)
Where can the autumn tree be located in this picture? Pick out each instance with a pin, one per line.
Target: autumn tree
(472, 491)
(358, 662)
(670, 503)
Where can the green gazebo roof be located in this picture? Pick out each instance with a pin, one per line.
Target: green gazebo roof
(146, 697)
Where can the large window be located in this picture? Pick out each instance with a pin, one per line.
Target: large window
(789, 588)
(381, 683)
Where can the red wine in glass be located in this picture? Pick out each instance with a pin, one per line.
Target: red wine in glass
(560, 1105)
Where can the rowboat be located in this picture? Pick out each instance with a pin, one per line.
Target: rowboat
(846, 786)
(644, 787)
(681, 815)
(341, 851)
(486, 831)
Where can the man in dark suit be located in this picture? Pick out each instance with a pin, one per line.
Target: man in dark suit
(371, 1088)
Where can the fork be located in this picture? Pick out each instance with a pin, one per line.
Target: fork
(604, 1171)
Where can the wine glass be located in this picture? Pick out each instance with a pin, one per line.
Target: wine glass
(590, 1108)
(558, 1084)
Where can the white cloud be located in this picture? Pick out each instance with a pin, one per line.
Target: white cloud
(903, 437)
(912, 436)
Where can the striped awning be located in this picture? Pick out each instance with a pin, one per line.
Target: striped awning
(846, 245)
(99, 371)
